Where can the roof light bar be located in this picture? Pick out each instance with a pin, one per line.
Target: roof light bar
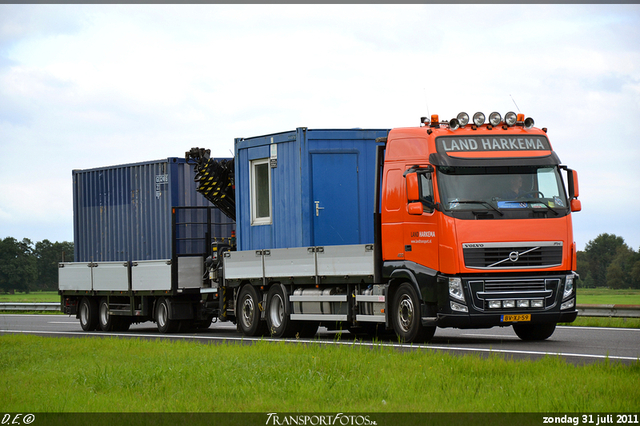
(510, 119)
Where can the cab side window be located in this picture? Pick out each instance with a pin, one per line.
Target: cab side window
(426, 191)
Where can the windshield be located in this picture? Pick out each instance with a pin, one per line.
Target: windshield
(491, 188)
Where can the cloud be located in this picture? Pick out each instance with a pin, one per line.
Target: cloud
(84, 86)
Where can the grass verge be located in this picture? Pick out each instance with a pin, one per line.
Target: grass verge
(582, 321)
(33, 297)
(607, 296)
(127, 375)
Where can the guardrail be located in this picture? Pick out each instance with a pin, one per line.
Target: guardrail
(36, 307)
(614, 311)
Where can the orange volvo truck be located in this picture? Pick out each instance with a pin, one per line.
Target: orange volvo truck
(476, 228)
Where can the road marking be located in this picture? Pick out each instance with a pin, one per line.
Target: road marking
(329, 342)
(501, 336)
(568, 327)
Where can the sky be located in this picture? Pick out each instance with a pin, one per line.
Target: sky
(84, 86)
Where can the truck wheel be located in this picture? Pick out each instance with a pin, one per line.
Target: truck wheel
(165, 325)
(106, 321)
(278, 322)
(88, 314)
(406, 316)
(534, 331)
(248, 310)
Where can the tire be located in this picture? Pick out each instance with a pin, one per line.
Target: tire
(279, 323)
(248, 312)
(165, 325)
(88, 314)
(105, 320)
(406, 316)
(108, 322)
(532, 332)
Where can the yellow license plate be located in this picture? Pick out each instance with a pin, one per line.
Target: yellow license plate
(515, 318)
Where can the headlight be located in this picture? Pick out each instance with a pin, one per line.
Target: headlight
(495, 304)
(455, 289)
(463, 118)
(509, 304)
(457, 307)
(478, 119)
(495, 118)
(568, 304)
(568, 287)
(538, 303)
(510, 118)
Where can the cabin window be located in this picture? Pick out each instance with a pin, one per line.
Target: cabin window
(260, 192)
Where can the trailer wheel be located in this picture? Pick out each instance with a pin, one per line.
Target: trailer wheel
(406, 316)
(165, 325)
(88, 314)
(534, 331)
(248, 310)
(109, 322)
(106, 321)
(279, 323)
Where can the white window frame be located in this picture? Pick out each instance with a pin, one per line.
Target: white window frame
(255, 220)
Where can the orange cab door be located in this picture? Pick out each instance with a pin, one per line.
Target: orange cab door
(420, 227)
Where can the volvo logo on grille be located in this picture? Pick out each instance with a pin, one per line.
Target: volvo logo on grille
(514, 256)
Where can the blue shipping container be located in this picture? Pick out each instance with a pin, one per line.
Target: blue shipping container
(305, 188)
(123, 212)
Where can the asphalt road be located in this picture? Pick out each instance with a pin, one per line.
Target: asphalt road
(576, 344)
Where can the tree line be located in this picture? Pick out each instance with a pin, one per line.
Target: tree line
(607, 261)
(25, 266)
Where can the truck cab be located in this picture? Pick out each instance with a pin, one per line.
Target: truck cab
(476, 227)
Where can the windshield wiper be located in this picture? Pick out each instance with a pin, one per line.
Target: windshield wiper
(538, 202)
(484, 203)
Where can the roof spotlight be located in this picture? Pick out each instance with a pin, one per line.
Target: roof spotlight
(510, 118)
(495, 118)
(478, 119)
(528, 123)
(463, 118)
(454, 124)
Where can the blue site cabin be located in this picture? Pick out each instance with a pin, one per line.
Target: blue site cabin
(305, 188)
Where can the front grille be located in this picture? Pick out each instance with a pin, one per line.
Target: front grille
(512, 256)
(485, 290)
(510, 286)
